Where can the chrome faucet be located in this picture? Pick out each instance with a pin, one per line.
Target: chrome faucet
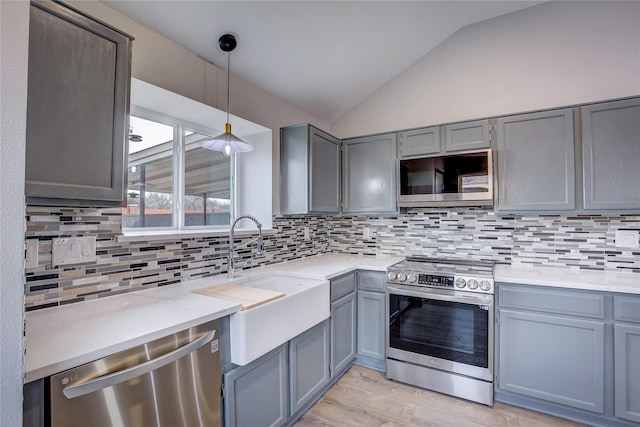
(260, 251)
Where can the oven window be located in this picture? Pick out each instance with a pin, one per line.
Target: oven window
(447, 330)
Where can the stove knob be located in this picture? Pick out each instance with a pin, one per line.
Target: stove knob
(485, 285)
(411, 278)
(460, 283)
(391, 275)
(472, 284)
(402, 277)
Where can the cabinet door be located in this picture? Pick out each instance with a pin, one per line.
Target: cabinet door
(371, 329)
(309, 171)
(256, 394)
(420, 142)
(553, 358)
(77, 109)
(294, 170)
(467, 136)
(343, 333)
(324, 173)
(536, 162)
(627, 371)
(309, 355)
(369, 174)
(611, 155)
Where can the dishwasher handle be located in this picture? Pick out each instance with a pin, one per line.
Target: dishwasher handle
(135, 371)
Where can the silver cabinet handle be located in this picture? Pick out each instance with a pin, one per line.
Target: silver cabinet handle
(135, 371)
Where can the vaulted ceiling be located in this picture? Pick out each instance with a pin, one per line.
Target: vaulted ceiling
(325, 57)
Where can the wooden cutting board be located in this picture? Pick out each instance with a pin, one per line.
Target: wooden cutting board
(249, 297)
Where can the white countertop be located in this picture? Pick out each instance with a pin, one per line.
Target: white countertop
(61, 338)
(607, 281)
(329, 266)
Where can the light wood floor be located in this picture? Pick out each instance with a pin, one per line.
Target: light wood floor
(364, 397)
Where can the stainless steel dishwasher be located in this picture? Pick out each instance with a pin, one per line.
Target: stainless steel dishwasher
(170, 382)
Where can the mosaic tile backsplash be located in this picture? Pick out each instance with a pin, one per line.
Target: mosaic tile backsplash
(561, 241)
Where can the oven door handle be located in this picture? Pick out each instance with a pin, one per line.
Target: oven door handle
(486, 300)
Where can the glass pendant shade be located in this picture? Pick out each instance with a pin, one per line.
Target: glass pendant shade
(227, 143)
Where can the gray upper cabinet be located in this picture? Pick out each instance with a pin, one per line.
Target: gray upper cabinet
(536, 162)
(419, 142)
(77, 109)
(309, 171)
(611, 155)
(369, 174)
(467, 136)
(452, 138)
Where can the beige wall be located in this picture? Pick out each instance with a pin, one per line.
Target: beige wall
(554, 54)
(14, 45)
(164, 63)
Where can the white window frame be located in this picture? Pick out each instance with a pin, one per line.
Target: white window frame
(178, 223)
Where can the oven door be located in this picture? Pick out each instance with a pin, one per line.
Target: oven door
(442, 329)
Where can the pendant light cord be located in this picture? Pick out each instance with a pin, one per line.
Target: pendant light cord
(228, 84)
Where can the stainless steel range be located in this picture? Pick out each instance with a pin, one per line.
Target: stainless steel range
(440, 326)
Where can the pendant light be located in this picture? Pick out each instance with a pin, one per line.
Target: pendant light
(227, 142)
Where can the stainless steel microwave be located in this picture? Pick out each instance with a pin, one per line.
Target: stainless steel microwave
(464, 179)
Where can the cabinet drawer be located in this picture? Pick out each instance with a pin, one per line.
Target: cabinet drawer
(626, 308)
(342, 286)
(568, 302)
(371, 280)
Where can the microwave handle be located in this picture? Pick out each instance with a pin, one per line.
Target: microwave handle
(480, 299)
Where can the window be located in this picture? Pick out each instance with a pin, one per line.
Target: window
(166, 165)
(174, 185)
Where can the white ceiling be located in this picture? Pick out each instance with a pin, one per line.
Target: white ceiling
(323, 56)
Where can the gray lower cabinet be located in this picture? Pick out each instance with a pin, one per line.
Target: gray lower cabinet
(554, 358)
(536, 162)
(309, 171)
(627, 356)
(369, 174)
(281, 384)
(572, 353)
(77, 109)
(371, 319)
(308, 365)
(343, 323)
(611, 155)
(257, 394)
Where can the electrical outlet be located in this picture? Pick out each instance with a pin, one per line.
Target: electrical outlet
(366, 235)
(73, 250)
(306, 233)
(626, 239)
(31, 254)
